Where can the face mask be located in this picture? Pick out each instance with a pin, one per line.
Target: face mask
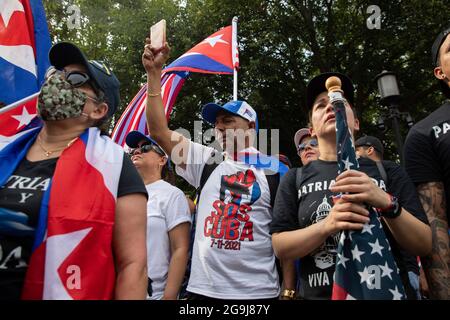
(58, 100)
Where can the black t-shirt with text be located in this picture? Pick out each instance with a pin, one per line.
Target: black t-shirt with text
(20, 203)
(295, 209)
(427, 150)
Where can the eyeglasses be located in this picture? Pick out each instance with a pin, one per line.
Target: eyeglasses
(76, 79)
(302, 146)
(147, 148)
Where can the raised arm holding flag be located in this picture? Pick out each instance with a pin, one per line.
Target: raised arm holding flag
(217, 54)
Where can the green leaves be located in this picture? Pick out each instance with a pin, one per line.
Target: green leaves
(283, 44)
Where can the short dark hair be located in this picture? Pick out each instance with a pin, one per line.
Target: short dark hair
(378, 153)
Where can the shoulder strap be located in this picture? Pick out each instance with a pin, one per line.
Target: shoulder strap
(273, 180)
(207, 170)
(382, 171)
(298, 178)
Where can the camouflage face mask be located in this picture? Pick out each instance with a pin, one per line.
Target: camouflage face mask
(58, 100)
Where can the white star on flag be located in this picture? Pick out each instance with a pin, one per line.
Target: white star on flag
(347, 163)
(342, 238)
(368, 228)
(376, 248)
(356, 253)
(62, 245)
(342, 259)
(213, 40)
(366, 276)
(25, 118)
(396, 294)
(386, 270)
(8, 7)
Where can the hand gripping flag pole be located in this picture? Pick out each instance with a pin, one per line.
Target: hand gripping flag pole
(365, 266)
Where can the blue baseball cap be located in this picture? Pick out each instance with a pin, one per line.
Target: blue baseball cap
(65, 53)
(134, 137)
(240, 108)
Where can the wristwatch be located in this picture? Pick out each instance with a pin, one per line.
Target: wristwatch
(288, 293)
(393, 210)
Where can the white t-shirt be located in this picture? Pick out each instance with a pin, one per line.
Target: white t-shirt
(167, 207)
(232, 255)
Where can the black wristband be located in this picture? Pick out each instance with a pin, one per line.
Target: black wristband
(394, 209)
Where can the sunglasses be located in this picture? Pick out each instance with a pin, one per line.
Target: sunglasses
(76, 79)
(147, 148)
(302, 146)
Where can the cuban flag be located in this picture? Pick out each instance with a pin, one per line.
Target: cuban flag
(133, 118)
(217, 54)
(72, 254)
(24, 46)
(365, 266)
(19, 116)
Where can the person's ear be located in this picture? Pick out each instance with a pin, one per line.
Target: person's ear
(252, 125)
(163, 161)
(370, 151)
(439, 73)
(99, 111)
(356, 129)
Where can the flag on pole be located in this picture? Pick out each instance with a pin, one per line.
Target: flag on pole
(19, 116)
(217, 54)
(365, 266)
(24, 46)
(133, 118)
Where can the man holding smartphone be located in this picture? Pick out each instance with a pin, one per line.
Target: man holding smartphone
(232, 254)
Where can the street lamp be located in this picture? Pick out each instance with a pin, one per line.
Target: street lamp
(387, 87)
(390, 96)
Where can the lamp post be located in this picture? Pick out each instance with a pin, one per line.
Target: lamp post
(390, 96)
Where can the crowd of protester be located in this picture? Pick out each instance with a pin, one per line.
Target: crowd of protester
(253, 232)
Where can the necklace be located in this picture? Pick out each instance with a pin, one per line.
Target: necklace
(50, 152)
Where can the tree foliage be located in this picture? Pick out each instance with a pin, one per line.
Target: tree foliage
(283, 44)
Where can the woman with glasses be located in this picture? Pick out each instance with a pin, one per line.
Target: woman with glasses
(307, 146)
(72, 205)
(168, 219)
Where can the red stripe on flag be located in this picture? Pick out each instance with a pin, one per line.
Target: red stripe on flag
(134, 114)
(339, 293)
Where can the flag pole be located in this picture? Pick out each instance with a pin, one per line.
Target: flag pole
(18, 103)
(235, 55)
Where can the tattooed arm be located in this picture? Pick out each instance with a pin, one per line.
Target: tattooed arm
(437, 264)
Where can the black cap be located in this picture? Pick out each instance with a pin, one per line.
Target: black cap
(317, 85)
(434, 56)
(65, 53)
(370, 141)
(134, 137)
(437, 45)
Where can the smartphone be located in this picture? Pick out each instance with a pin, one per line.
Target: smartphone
(158, 34)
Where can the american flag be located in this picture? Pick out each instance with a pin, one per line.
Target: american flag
(133, 117)
(365, 266)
